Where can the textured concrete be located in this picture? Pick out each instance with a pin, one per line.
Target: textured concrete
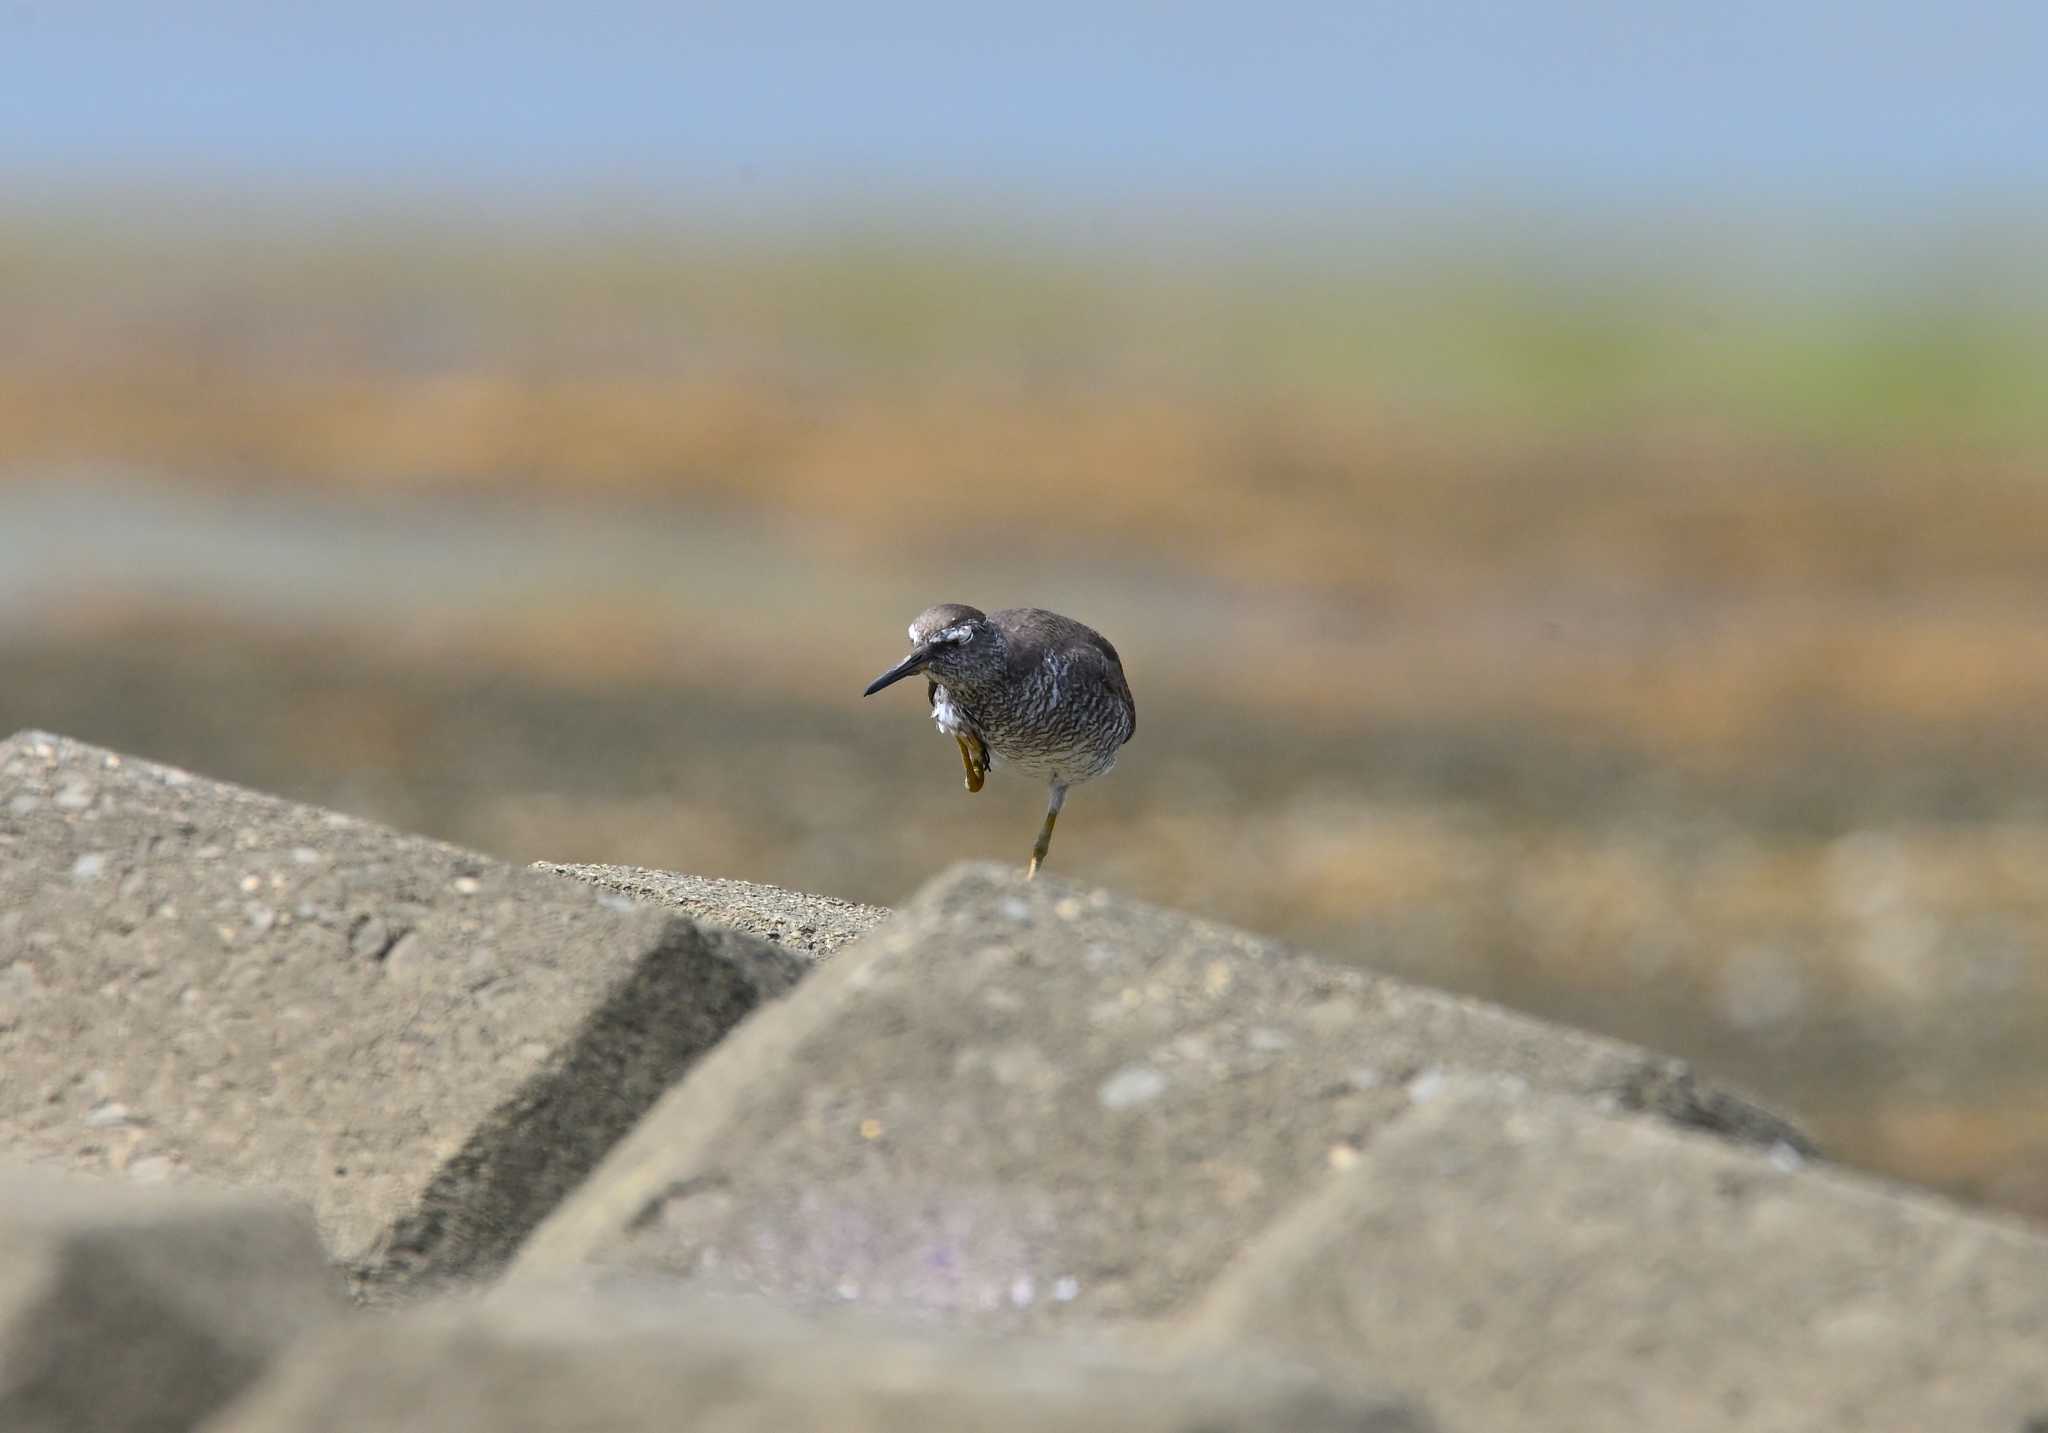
(426, 1046)
(541, 1365)
(814, 926)
(1527, 1263)
(1023, 1102)
(131, 1311)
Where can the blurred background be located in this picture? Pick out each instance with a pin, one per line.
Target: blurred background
(1569, 480)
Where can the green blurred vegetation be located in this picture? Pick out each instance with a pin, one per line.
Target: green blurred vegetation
(1938, 340)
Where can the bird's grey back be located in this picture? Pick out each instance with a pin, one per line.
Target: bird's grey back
(1088, 659)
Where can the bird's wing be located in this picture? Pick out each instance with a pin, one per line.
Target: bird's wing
(1097, 652)
(1130, 707)
(1087, 652)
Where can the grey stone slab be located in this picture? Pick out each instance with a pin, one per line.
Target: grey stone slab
(1528, 1263)
(426, 1046)
(1033, 1102)
(125, 1310)
(811, 925)
(545, 1364)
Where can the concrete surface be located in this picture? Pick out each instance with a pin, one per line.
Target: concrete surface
(545, 1363)
(809, 925)
(1025, 1102)
(426, 1046)
(125, 1310)
(1528, 1263)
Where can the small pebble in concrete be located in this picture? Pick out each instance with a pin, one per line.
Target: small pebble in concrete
(1426, 1086)
(1132, 1085)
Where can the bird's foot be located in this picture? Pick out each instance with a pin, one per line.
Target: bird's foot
(973, 756)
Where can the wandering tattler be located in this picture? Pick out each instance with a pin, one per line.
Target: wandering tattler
(1022, 687)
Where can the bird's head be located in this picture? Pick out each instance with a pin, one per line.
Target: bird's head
(952, 641)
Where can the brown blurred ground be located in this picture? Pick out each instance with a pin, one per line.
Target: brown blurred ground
(1663, 663)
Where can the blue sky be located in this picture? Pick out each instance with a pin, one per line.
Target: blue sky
(1881, 104)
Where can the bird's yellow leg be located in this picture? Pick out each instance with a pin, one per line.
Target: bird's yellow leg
(1052, 814)
(973, 756)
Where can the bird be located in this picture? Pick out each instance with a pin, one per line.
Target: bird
(1025, 688)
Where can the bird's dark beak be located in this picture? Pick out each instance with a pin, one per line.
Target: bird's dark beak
(915, 662)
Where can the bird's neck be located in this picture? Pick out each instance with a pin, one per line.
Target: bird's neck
(966, 686)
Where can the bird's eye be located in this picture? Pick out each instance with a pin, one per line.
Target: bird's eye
(955, 635)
